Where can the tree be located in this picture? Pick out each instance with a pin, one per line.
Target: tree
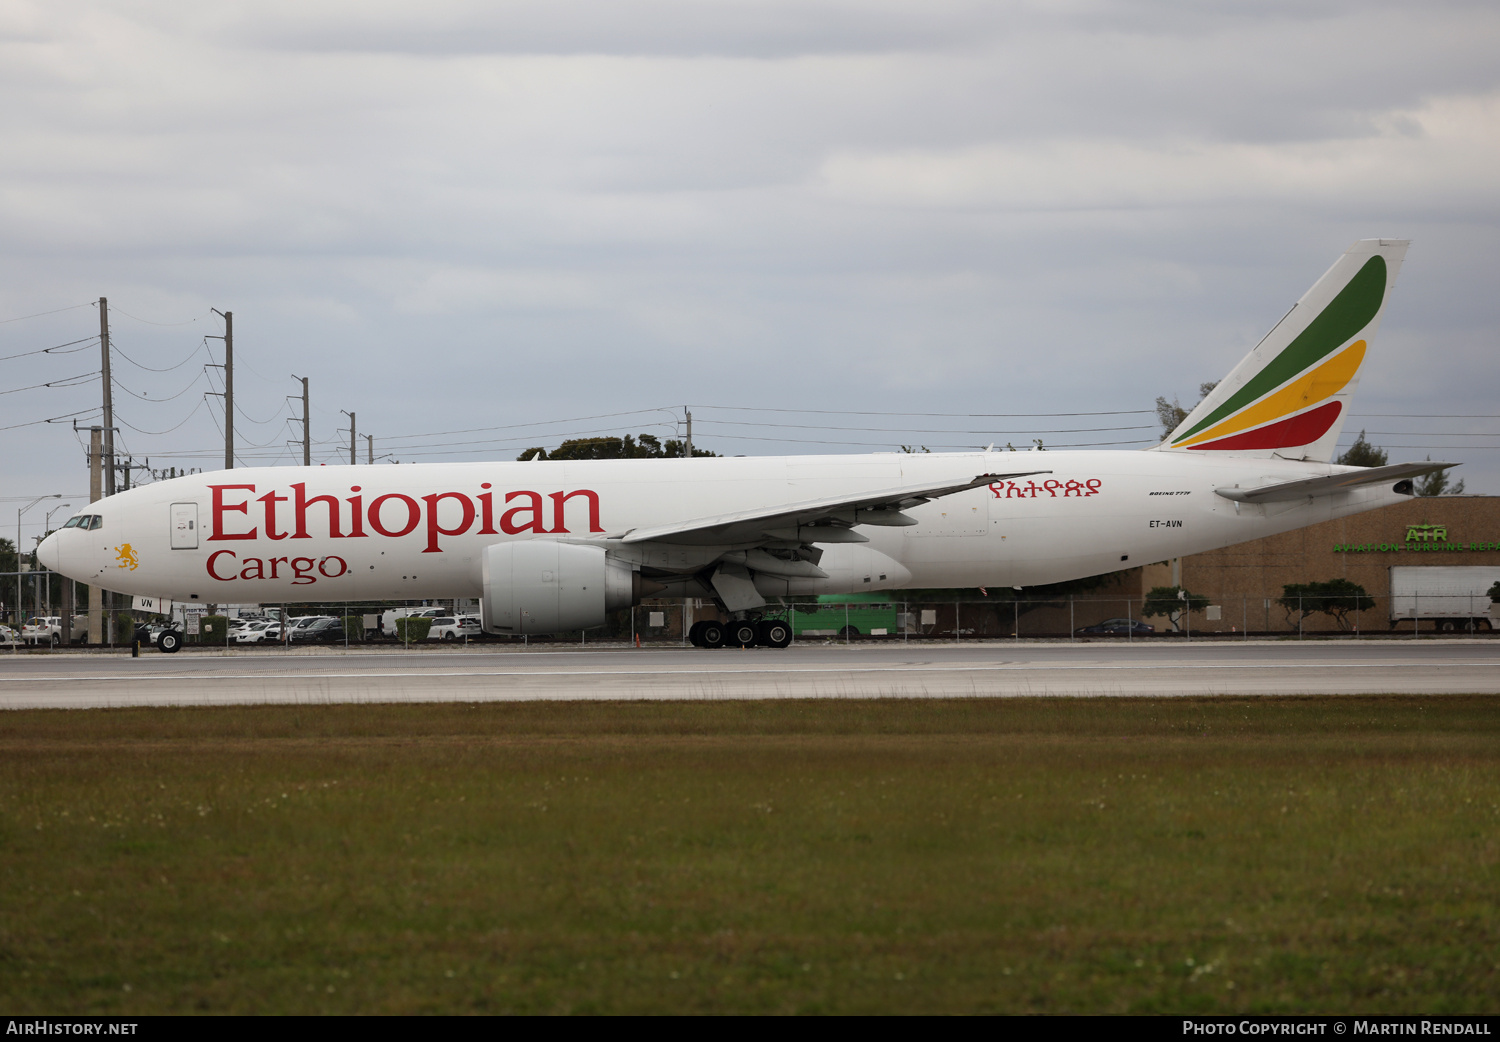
(1495, 594)
(7, 555)
(1335, 598)
(1363, 454)
(1436, 484)
(1171, 414)
(647, 446)
(1172, 602)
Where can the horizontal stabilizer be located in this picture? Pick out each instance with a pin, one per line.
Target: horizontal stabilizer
(1328, 485)
(749, 525)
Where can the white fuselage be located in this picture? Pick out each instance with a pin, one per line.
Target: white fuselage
(290, 534)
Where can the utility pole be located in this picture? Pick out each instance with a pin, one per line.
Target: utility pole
(353, 444)
(229, 390)
(370, 440)
(228, 368)
(96, 492)
(109, 402)
(306, 424)
(687, 452)
(20, 594)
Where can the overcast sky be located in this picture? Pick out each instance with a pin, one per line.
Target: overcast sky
(453, 216)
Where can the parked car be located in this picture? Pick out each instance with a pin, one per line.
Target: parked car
(453, 627)
(42, 629)
(49, 628)
(388, 618)
(7, 637)
(301, 622)
(326, 629)
(257, 631)
(1117, 628)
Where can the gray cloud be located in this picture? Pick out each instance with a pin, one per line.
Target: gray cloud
(456, 214)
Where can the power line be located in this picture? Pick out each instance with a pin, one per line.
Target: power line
(193, 354)
(275, 439)
(261, 423)
(1430, 434)
(566, 436)
(169, 430)
(949, 415)
(956, 448)
(518, 426)
(67, 381)
(148, 322)
(55, 419)
(918, 430)
(87, 342)
(39, 314)
(143, 398)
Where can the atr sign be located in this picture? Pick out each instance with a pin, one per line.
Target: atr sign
(1418, 537)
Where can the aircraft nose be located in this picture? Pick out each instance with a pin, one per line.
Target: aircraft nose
(48, 554)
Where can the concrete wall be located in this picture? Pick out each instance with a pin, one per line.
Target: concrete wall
(1361, 549)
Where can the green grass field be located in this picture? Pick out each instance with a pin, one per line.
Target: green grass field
(1224, 855)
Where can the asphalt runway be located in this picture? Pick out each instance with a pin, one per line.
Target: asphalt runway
(995, 669)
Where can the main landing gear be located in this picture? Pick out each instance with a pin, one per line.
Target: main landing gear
(741, 633)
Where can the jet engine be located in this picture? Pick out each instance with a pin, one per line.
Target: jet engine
(544, 586)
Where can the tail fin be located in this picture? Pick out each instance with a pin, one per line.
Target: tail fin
(1289, 396)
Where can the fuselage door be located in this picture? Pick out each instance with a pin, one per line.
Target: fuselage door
(184, 526)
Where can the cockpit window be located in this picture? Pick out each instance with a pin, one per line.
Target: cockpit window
(73, 522)
(95, 522)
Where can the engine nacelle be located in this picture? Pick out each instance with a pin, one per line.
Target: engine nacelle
(544, 586)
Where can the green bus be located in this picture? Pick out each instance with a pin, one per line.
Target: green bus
(862, 614)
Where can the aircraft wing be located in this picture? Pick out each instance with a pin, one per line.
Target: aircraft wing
(813, 521)
(1327, 486)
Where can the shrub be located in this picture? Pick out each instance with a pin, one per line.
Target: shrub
(354, 627)
(412, 630)
(1172, 602)
(213, 629)
(1335, 598)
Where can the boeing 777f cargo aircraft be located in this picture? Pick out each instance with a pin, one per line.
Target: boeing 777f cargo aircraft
(550, 546)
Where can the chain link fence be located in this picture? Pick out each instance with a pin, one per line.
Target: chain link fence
(1236, 616)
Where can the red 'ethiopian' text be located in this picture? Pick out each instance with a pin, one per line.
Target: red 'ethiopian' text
(240, 512)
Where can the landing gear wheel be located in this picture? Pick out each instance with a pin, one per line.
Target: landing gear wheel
(169, 641)
(740, 634)
(773, 633)
(695, 634)
(711, 635)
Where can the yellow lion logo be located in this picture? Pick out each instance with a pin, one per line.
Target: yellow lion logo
(127, 558)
